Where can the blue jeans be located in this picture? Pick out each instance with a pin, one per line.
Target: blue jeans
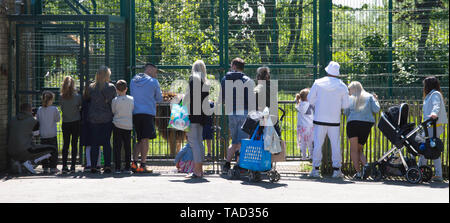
(102, 137)
(235, 123)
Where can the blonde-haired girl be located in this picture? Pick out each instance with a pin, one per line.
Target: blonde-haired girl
(70, 107)
(305, 126)
(360, 120)
(48, 116)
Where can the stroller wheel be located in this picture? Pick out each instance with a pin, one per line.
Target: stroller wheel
(277, 176)
(274, 176)
(427, 173)
(235, 172)
(251, 176)
(232, 174)
(413, 175)
(375, 172)
(271, 175)
(258, 176)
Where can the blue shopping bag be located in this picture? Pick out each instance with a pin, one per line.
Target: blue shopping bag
(253, 156)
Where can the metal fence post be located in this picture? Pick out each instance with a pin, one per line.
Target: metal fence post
(390, 49)
(315, 39)
(325, 56)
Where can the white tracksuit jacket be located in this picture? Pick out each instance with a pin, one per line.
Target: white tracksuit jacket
(329, 95)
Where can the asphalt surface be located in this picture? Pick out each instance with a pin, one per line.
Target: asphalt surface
(166, 187)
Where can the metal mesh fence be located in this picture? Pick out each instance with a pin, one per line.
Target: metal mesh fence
(391, 46)
(177, 32)
(388, 45)
(49, 50)
(74, 7)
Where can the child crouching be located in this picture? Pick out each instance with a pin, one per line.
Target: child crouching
(184, 160)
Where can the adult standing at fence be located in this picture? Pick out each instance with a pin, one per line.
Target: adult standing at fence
(329, 95)
(237, 104)
(434, 107)
(262, 89)
(198, 114)
(100, 116)
(146, 91)
(360, 120)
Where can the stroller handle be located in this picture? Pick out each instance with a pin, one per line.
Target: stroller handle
(284, 113)
(429, 121)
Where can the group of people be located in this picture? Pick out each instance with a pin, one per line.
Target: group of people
(319, 114)
(105, 109)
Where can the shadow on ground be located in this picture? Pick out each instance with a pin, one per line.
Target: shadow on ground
(265, 183)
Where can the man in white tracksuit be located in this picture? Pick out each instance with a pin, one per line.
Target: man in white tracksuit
(329, 95)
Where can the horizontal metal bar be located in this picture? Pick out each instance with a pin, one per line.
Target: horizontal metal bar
(68, 26)
(218, 66)
(174, 66)
(68, 18)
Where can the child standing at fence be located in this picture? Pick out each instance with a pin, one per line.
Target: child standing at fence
(70, 108)
(305, 126)
(122, 108)
(184, 161)
(48, 115)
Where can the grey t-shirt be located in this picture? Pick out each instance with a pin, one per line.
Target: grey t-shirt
(70, 108)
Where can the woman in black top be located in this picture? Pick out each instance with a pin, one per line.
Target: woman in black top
(197, 94)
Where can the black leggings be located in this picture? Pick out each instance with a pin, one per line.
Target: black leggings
(39, 152)
(122, 137)
(70, 129)
(53, 161)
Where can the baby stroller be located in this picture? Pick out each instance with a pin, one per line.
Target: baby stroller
(253, 157)
(393, 124)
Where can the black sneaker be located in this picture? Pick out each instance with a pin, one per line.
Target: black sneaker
(65, 169)
(357, 176)
(226, 167)
(365, 172)
(107, 170)
(72, 169)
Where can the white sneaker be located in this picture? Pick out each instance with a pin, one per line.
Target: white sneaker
(314, 173)
(337, 174)
(28, 166)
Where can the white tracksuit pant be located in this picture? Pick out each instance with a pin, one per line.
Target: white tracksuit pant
(320, 132)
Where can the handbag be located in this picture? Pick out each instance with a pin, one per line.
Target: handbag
(179, 117)
(433, 145)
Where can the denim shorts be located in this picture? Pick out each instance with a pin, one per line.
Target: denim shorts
(235, 123)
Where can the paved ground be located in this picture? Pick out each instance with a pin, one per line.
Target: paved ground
(167, 186)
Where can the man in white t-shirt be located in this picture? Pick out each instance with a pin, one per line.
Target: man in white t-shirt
(329, 95)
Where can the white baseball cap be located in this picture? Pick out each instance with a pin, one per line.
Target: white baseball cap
(332, 68)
